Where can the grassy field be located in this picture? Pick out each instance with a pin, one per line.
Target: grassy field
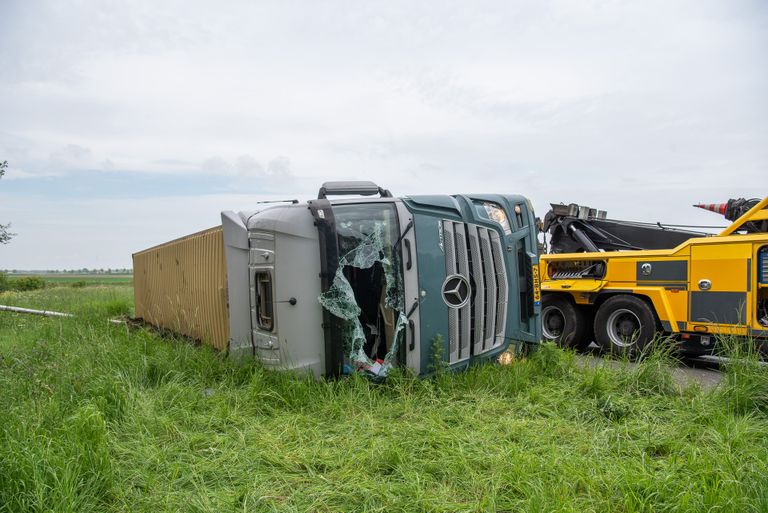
(99, 418)
(88, 279)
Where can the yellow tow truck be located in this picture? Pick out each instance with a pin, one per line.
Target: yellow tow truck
(619, 285)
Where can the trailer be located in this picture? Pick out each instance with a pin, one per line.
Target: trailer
(621, 283)
(357, 284)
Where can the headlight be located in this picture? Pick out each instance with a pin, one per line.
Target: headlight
(496, 214)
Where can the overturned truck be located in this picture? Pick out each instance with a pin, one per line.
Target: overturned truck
(357, 284)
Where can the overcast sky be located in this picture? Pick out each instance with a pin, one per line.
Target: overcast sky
(126, 124)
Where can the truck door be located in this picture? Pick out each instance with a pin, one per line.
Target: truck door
(362, 280)
(759, 292)
(719, 282)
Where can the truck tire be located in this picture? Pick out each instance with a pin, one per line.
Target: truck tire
(562, 322)
(625, 325)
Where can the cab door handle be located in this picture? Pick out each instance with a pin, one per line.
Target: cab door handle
(409, 262)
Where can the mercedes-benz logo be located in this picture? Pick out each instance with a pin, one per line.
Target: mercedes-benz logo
(456, 291)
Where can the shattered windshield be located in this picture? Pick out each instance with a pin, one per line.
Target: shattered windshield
(367, 290)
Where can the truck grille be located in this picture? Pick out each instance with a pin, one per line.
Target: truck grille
(762, 269)
(475, 252)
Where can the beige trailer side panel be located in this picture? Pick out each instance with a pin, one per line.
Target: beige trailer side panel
(182, 286)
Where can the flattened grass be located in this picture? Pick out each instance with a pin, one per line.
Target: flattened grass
(98, 418)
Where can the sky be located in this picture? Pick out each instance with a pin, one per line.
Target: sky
(127, 124)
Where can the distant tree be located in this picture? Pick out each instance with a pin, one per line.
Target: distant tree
(5, 235)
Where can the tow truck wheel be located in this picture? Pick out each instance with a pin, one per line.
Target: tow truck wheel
(625, 325)
(562, 322)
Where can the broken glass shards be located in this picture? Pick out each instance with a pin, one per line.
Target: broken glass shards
(367, 290)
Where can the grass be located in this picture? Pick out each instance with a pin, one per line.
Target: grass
(99, 418)
(87, 279)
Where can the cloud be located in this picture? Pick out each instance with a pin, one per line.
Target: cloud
(71, 156)
(217, 165)
(280, 168)
(639, 108)
(246, 166)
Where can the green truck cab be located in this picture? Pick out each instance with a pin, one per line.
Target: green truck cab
(386, 279)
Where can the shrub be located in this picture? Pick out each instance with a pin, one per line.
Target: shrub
(78, 284)
(3, 282)
(27, 283)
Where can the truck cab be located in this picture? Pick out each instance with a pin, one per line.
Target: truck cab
(366, 282)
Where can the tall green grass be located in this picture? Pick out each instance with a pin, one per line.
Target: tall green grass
(96, 417)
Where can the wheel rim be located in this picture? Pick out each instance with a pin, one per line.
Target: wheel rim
(552, 322)
(623, 327)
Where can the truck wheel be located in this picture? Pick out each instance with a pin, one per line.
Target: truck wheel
(625, 325)
(562, 322)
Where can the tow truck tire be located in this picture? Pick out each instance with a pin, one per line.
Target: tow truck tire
(625, 326)
(562, 322)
